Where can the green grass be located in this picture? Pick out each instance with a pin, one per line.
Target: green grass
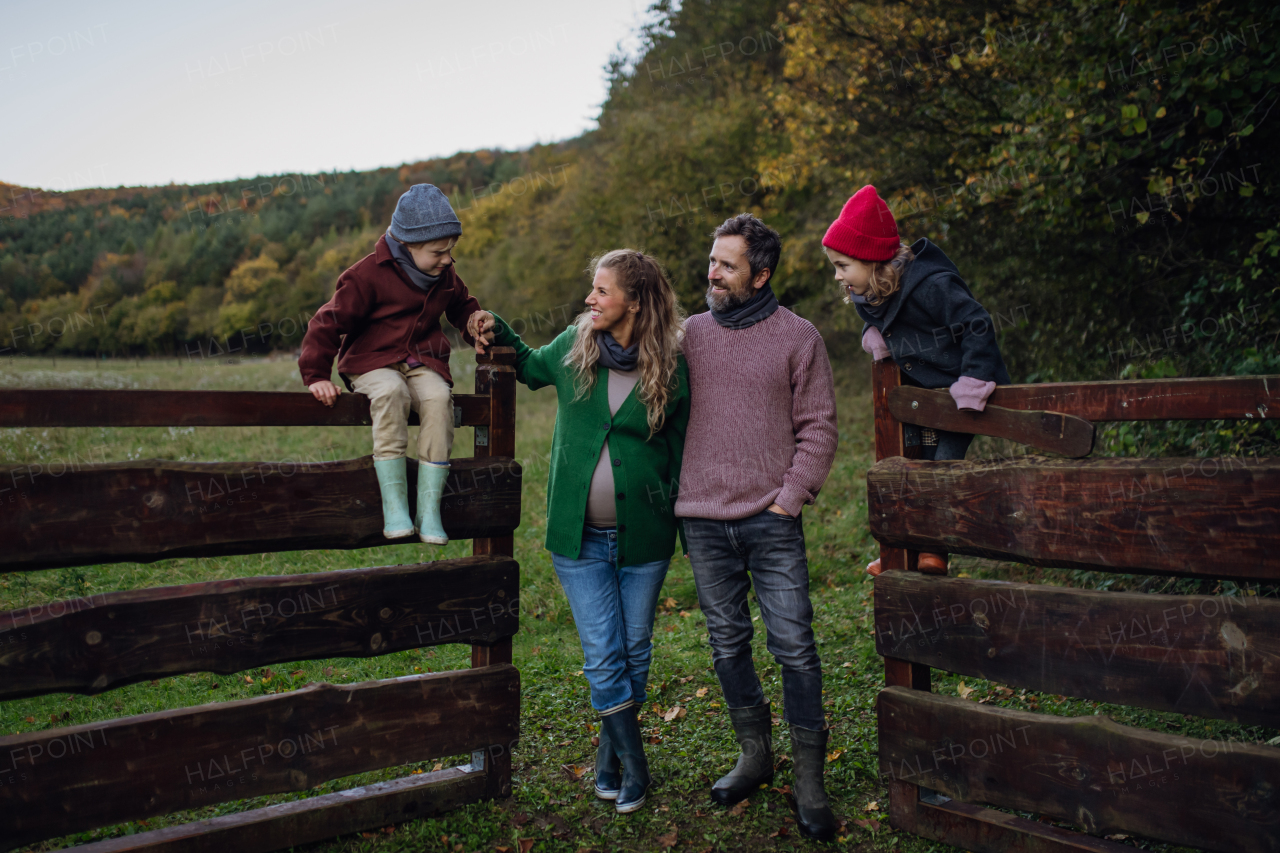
(548, 805)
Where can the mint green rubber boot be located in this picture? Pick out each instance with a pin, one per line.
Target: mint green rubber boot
(430, 487)
(394, 484)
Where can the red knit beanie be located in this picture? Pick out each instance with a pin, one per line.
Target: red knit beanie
(865, 228)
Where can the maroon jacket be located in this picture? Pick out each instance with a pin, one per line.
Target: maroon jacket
(377, 317)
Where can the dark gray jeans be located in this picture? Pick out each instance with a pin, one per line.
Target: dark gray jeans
(765, 550)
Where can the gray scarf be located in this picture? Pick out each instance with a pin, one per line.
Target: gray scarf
(613, 356)
(758, 308)
(876, 311)
(400, 252)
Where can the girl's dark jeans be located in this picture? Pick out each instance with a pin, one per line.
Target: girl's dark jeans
(766, 551)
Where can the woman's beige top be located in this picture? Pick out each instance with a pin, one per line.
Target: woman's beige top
(601, 510)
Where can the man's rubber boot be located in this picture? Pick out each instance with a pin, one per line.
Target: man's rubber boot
(394, 484)
(608, 768)
(623, 730)
(430, 486)
(809, 756)
(753, 727)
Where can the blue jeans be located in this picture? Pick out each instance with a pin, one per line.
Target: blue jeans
(613, 607)
(766, 550)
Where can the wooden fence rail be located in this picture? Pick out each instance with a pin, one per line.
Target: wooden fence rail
(93, 408)
(1207, 517)
(945, 759)
(1212, 656)
(96, 643)
(99, 774)
(91, 776)
(1104, 777)
(159, 510)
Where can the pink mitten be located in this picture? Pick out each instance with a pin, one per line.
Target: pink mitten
(873, 342)
(971, 394)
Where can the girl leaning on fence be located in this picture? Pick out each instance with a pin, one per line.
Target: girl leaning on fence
(918, 310)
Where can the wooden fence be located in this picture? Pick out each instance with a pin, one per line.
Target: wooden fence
(68, 780)
(945, 758)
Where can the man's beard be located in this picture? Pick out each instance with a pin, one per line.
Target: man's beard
(729, 300)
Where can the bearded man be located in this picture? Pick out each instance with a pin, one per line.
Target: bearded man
(761, 439)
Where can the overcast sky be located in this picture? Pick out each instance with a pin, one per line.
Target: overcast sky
(109, 93)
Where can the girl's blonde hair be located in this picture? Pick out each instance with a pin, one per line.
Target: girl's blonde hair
(886, 276)
(659, 330)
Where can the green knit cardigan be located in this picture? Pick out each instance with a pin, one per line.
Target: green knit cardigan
(646, 471)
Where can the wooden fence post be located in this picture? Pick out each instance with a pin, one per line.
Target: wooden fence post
(900, 673)
(496, 376)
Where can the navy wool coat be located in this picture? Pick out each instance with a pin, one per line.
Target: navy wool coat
(934, 328)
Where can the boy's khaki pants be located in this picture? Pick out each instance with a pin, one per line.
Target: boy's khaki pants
(392, 391)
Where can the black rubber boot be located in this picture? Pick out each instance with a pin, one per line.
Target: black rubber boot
(809, 756)
(623, 730)
(753, 727)
(608, 768)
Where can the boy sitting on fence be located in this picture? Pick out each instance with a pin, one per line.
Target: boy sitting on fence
(383, 323)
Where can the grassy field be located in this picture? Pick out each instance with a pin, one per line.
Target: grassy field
(550, 810)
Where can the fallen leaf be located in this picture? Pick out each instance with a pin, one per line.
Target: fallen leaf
(579, 672)
(846, 664)
(670, 602)
(685, 680)
(832, 756)
(573, 771)
(438, 766)
(519, 818)
(667, 841)
(684, 614)
(737, 810)
(248, 679)
(873, 806)
(654, 739)
(781, 833)
(295, 674)
(964, 691)
(31, 719)
(1119, 836)
(675, 713)
(502, 849)
(595, 740)
(526, 844)
(702, 692)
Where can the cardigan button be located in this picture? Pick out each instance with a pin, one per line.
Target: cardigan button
(605, 425)
(622, 496)
(617, 463)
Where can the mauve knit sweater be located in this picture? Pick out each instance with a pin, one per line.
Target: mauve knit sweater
(762, 417)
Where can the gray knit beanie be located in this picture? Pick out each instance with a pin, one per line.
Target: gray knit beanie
(424, 213)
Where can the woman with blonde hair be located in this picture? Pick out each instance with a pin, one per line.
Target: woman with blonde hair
(623, 391)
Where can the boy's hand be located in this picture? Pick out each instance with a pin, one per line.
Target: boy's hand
(325, 391)
(480, 327)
